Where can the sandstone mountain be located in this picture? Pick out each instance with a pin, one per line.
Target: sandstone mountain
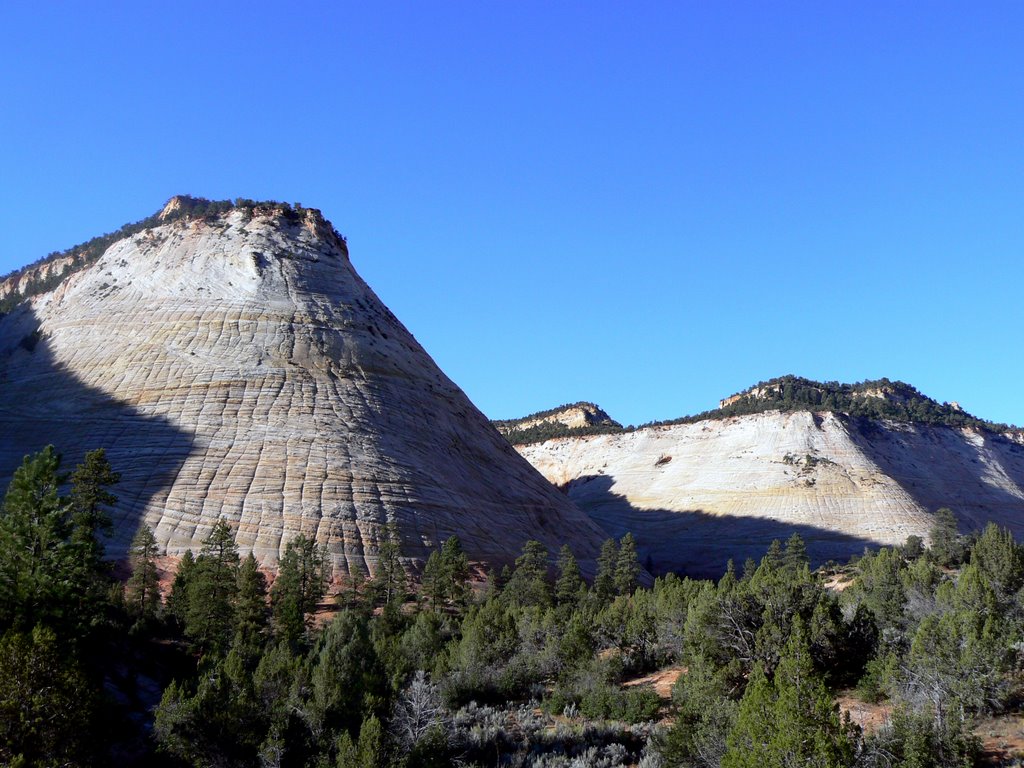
(724, 484)
(233, 364)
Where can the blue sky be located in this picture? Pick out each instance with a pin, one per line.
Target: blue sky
(648, 205)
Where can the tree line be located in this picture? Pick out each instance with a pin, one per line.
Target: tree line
(527, 669)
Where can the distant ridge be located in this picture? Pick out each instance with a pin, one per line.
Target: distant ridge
(872, 399)
(570, 420)
(875, 399)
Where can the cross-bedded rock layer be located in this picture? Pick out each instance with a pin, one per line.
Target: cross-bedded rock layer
(698, 494)
(238, 367)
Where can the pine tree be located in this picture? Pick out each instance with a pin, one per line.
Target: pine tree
(569, 584)
(454, 570)
(795, 557)
(445, 575)
(177, 600)
(89, 520)
(1000, 560)
(46, 702)
(607, 562)
(627, 566)
(880, 586)
(790, 719)
(389, 582)
(36, 562)
(211, 591)
(345, 678)
(300, 584)
(773, 557)
(370, 747)
(529, 584)
(89, 496)
(433, 580)
(251, 607)
(354, 594)
(142, 592)
(947, 546)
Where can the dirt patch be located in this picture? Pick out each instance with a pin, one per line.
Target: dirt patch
(661, 681)
(838, 582)
(1002, 738)
(870, 717)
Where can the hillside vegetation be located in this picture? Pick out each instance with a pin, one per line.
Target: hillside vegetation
(537, 668)
(544, 425)
(873, 399)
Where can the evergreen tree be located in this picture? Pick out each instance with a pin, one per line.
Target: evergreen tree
(570, 583)
(346, 682)
(389, 583)
(89, 520)
(177, 599)
(89, 497)
(454, 571)
(251, 607)
(300, 584)
(607, 563)
(354, 595)
(795, 557)
(529, 583)
(627, 566)
(749, 568)
(445, 574)
(947, 546)
(1000, 560)
(914, 547)
(46, 702)
(142, 592)
(370, 748)
(879, 585)
(211, 590)
(773, 558)
(790, 719)
(36, 561)
(706, 713)
(433, 580)
(911, 740)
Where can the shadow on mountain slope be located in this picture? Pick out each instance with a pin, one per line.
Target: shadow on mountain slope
(42, 402)
(980, 476)
(696, 543)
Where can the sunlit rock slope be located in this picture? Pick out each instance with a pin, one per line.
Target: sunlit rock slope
(697, 494)
(235, 365)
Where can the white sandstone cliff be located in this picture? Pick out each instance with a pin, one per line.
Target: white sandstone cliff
(240, 368)
(695, 495)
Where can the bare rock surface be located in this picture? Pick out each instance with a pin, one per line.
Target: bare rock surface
(695, 495)
(238, 367)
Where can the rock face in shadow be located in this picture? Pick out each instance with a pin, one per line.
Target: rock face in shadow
(696, 494)
(239, 367)
(699, 544)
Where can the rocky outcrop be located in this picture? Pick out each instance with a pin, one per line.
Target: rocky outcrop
(236, 366)
(695, 495)
(572, 417)
(48, 271)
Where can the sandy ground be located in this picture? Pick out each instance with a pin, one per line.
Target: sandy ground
(661, 681)
(870, 717)
(1002, 738)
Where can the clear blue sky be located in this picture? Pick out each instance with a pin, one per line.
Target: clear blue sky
(648, 205)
